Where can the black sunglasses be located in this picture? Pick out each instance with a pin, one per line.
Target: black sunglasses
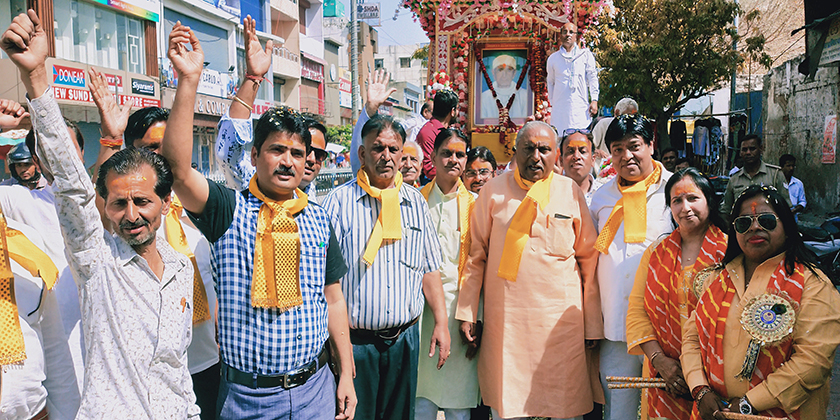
(320, 154)
(570, 131)
(766, 221)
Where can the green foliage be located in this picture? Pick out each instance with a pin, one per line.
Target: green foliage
(422, 54)
(663, 53)
(340, 134)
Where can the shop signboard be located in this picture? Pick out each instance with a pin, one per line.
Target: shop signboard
(144, 9)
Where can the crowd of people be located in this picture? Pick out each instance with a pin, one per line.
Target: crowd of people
(432, 281)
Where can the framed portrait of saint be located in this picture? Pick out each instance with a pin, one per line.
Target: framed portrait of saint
(506, 67)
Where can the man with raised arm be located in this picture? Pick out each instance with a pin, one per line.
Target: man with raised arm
(276, 261)
(144, 130)
(134, 289)
(393, 257)
(236, 129)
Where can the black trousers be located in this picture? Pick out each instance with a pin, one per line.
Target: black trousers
(206, 388)
(386, 375)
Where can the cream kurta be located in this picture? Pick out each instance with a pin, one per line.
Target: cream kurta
(532, 360)
(803, 381)
(455, 385)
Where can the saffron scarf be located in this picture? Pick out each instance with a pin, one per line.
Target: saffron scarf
(631, 209)
(178, 240)
(667, 286)
(15, 246)
(389, 224)
(276, 279)
(710, 316)
(519, 231)
(466, 202)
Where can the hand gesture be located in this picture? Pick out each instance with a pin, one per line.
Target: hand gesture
(25, 42)
(671, 371)
(11, 114)
(113, 119)
(257, 60)
(188, 64)
(471, 336)
(440, 339)
(593, 108)
(345, 406)
(377, 90)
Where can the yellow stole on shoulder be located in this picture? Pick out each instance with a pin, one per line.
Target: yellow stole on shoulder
(466, 202)
(178, 240)
(516, 238)
(389, 223)
(14, 245)
(276, 279)
(631, 208)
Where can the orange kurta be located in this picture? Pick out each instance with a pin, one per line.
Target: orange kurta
(532, 360)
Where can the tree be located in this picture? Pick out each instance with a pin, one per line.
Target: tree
(663, 53)
(340, 134)
(422, 54)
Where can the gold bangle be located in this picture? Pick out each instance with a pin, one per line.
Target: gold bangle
(238, 99)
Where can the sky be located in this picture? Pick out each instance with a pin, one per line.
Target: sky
(403, 31)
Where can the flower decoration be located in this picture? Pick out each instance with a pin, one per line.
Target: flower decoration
(438, 82)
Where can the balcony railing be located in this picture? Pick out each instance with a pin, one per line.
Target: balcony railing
(283, 52)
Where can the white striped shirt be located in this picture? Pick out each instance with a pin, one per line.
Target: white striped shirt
(389, 293)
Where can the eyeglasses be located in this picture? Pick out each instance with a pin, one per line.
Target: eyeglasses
(570, 131)
(320, 154)
(471, 173)
(766, 221)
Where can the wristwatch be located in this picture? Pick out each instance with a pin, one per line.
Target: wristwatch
(744, 406)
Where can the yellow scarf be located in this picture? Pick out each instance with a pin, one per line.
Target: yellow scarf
(520, 226)
(633, 198)
(389, 223)
(178, 240)
(466, 202)
(16, 246)
(276, 279)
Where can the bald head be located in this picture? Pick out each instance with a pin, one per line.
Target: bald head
(536, 150)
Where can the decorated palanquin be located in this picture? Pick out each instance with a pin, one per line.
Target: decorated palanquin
(493, 54)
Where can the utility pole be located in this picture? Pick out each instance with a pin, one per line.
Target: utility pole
(354, 60)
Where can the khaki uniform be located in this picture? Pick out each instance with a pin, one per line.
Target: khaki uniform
(768, 175)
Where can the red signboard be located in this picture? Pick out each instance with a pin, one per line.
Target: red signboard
(83, 95)
(115, 83)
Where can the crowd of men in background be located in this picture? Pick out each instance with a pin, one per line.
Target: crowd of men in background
(430, 281)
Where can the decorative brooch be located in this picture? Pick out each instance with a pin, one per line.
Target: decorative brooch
(769, 320)
(702, 276)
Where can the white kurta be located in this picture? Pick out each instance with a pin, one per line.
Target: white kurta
(455, 385)
(617, 270)
(518, 109)
(571, 78)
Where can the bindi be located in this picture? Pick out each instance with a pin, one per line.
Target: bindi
(156, 133)
(577, 143)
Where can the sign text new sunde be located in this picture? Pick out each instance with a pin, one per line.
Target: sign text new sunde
(68, 76)
(142, 87)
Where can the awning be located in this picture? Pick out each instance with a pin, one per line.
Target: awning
(335, 148)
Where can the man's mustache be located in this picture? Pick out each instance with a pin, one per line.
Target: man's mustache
(133, 225)
(283, 170)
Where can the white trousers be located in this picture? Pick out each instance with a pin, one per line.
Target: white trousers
(621, 404)
(496, 416)
(427, 410)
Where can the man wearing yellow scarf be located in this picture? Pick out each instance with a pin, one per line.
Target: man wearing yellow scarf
(532, 259)
(276, 260)
(35, 361)
(393, 256)
(454, 387)
(630, 213)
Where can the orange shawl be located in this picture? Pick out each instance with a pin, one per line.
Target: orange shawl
(712, 310)
(667, 286)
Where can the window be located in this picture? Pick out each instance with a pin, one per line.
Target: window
(379, 63)
(99, 36)
(405, 62)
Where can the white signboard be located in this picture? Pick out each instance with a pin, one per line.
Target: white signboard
(831, 50)
(212, 83)
(368, 12)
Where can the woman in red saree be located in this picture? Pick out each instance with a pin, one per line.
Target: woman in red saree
(763, 335)
(663, 296)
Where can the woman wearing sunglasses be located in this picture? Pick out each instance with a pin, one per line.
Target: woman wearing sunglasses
(663, 297)
(762, 337)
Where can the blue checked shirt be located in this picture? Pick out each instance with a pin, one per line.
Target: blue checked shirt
(389, 293)
(260, 340)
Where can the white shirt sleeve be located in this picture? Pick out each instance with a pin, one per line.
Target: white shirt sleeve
(592, 76)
